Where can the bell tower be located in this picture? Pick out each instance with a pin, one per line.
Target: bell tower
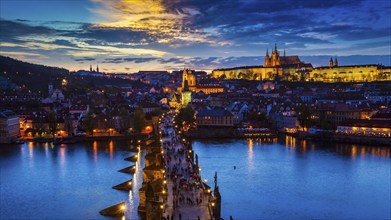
(331, 63)
(267, 59)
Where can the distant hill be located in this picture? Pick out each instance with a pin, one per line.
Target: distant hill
(33, 76)
(28, 76)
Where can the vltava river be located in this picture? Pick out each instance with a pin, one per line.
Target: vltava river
(271, 181)
(292, 180)
(42, 181)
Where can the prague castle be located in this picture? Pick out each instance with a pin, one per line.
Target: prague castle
(291, 68)
(350, 73)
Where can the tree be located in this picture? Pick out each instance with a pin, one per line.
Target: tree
(68, 124)
(185, 115)
(88, 123)
(125, 119)
(139, 119)
(304, 112)
(52, 118)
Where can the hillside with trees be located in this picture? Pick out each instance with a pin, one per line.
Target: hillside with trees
(27, 75)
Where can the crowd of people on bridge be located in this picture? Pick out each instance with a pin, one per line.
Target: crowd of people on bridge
(182, 174)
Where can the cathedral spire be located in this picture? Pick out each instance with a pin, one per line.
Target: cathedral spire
(331, 63)
(284, 52)
(267, 52)
(90, 68)
(275, 47)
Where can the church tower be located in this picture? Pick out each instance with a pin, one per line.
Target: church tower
(335, 62)
(267, 59)
(331, 63)
(90, 68)
(97, 68)
(184, 78)
(275, 57)
(186, 93)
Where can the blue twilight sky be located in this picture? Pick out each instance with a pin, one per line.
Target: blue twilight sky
(132, 35)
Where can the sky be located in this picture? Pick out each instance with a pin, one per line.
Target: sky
(132, 35)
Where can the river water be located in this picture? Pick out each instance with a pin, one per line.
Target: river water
(298, 180)
(42, 181)
(285, 180)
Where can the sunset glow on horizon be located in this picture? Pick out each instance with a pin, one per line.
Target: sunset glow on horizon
(133, 35)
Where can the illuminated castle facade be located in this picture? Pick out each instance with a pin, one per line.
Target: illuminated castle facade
(275, 66)
(291, 68)
(350, 73)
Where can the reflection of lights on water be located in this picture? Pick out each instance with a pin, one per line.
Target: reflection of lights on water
(31, 149)
(62, 156)
(95, 149)
(111, 150)
(290, 142)
(47, 150)
(250, 153)
(354, 151)
(304, 146)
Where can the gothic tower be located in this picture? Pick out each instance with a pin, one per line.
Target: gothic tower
(267, 59)
(331, 64)
(186, 93)
(97, 68)
(275, 57)
(335, 62)
(184, 78)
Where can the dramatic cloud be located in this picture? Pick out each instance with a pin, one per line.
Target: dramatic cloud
(128, 35)
(84, 59)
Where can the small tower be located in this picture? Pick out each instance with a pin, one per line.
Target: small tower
(331, 63)
(186, 93)
(50, 88)
(335, 62)
(97, 68)
(267, 58)
(90, 68)
(184, 78)
(284, 52)
(275, 57)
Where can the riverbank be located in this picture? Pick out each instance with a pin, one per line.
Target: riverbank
(341, 138)
(227, 133)
(73, 140)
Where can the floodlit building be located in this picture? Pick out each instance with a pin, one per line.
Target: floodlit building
(215, 117)
(9, 126)
(291, 68)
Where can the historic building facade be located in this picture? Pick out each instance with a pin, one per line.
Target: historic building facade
(291, 68)
(351, 73)
(275, 66)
